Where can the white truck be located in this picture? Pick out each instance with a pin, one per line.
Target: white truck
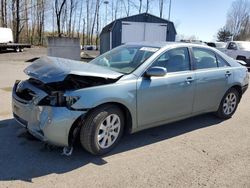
(6, 41)
(239, 50)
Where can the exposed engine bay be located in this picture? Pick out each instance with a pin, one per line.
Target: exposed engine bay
(54, 76)
(71, 82)
(55, 90)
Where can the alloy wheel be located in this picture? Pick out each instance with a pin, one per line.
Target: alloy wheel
(108, 131)
(230, 103)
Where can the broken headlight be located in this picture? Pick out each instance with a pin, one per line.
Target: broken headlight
(58, 99)
(70, 100)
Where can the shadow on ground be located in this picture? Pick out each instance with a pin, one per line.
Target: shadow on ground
(6, 51)
(23, 158)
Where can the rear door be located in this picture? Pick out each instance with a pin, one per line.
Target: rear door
(212, 75)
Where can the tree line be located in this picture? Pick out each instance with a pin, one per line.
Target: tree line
(32, 20)
(237, 25)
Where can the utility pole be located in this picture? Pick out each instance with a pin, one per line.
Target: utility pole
(106, 3)
(169, 11)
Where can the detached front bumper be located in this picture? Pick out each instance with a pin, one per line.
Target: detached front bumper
(47, 123)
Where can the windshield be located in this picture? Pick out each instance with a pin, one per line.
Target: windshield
(244, 45)
(125, 59)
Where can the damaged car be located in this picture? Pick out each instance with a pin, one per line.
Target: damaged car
(130, 88)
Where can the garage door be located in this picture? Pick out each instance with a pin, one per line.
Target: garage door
(140, 31)
(132, 31)
(155, 32)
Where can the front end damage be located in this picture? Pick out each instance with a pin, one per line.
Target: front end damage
(41, 104)
(49, 123)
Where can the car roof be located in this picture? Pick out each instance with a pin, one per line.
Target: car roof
(241, 41)
(166, 44)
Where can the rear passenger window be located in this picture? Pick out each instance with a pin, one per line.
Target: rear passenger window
(174, 60)
(204, 58)
(222, 62)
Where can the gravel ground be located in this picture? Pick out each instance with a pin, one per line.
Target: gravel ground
(198, 152)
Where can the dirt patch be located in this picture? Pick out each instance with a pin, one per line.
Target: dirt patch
(8, 89)
(4, 113)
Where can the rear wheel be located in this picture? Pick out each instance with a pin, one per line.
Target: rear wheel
(102, 129)
(228, 104)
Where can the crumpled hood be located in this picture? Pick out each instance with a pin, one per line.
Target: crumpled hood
(52, 69)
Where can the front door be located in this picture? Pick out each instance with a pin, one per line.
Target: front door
(162, 99)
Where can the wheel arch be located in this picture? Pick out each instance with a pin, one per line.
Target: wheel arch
(239, 89)
(77, 123)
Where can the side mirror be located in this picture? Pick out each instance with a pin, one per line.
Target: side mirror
(156, 72)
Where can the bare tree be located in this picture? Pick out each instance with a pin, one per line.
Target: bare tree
(27, 18)
(83, 32)
(128, 5)
(238, 18)
(40, 20)
(74, 22)
(3, 13)
(112, 9)
(140, 6)
(147, 6)
(97, 24)
(33, 23)
(64, 21)
(59, 9)
(161, 4)
(71, 9)
(79, 21)
(16, 19)
(117, 8)
(88, 22)
(93, 24)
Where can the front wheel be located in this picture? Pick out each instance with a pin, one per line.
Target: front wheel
(229, 104)
(102, 129)
(17, 49)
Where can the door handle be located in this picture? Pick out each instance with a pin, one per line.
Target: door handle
(189, 80)
(228, 73)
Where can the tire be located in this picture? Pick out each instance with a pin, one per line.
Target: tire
(99, 123)
(17, 49)
(229, 104)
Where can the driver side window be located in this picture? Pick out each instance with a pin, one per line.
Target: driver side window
(174, 60)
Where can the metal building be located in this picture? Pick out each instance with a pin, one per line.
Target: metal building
(140, 27)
